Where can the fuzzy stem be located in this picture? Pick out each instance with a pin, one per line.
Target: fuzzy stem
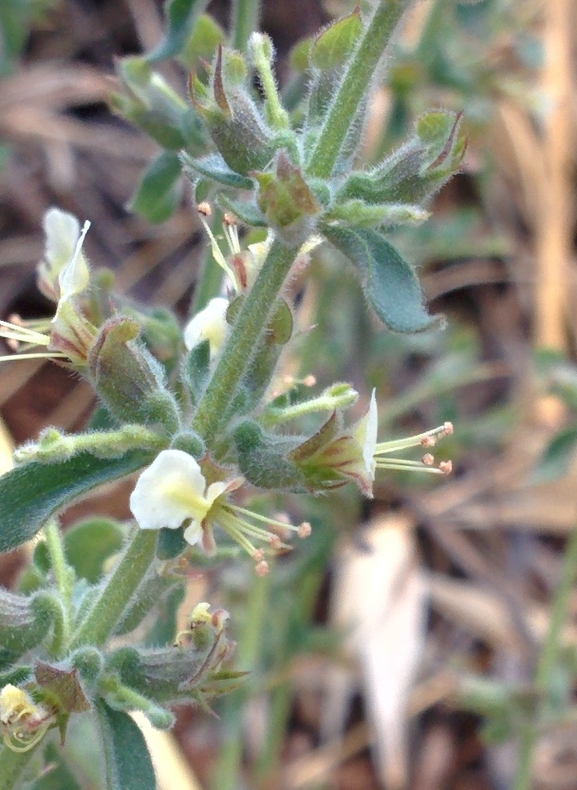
(12, 764)
(122, 583)
(248, 328)
(244, 21)
(64, 578)
(354, 85)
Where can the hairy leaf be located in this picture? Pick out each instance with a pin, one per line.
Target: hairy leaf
(389, 282)
(30, 494)
(128, 763)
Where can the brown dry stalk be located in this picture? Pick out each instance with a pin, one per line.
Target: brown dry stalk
(553, 230)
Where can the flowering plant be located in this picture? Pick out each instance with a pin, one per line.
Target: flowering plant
(203, 424)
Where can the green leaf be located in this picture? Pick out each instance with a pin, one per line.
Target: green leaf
(214, 167)
(196, 368)
(390, 283)
(158, 193)
(127, 761)
(181, 16)
(247, 213)
(57, 775)
(202, 42)
(90, 543)
(333, 45)
(171, 543)
(557, 456)
(30, 494)
(263, 461)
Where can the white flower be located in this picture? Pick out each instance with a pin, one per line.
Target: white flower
(63, 271)
(209, 324)
(173, 491)
(62, 275)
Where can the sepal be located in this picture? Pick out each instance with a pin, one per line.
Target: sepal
(287, 201)
(151, 104)
(129, 379)
(417, 169)
(263, 461)
(24, 623)
(235, 125)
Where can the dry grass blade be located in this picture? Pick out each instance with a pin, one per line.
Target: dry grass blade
(379, 599)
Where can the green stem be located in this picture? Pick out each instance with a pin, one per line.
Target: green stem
(548, 657)
(251, 322)
(230, 757)
(128, 573)
(547, 662)
(358, 76)
(64, 579)
(244, 21)
(261, 50)
(12, 764)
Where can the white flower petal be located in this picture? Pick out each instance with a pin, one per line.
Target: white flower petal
(209, 324)
(193, 533)
(62, 248)
(75, 276)
(370, 426)
(169, 491)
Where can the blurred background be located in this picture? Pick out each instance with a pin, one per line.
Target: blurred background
(425, 639)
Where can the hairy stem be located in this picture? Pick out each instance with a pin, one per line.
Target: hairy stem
(128, 573)
(248, 328)
(12, 765)
(244, 21)
(354, 85)
(64, 579)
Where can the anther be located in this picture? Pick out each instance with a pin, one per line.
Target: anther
(204, 209)
(262, 568)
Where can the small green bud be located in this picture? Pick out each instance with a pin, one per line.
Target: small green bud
(150, 103)
(128, 378)
(189, 442)
(231, 116)
(287, 201)
(89, 662)
(417, 169)
(334, 45)
(358, 213)
(24, 622)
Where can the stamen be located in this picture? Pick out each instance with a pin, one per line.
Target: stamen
(423, 439)
(400, 464)
(262, 568)
(39, 355)
(216, 251)
(304, 530)
(266, 519)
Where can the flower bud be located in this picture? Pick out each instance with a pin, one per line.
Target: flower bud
(129, 379)
(417, 169)
(237, 128)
